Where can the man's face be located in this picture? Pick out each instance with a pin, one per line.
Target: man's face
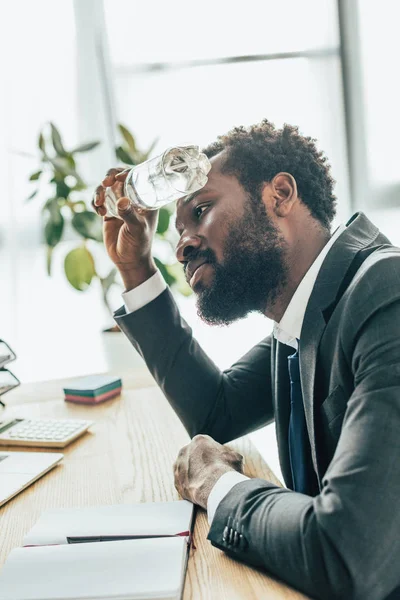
(232, 253)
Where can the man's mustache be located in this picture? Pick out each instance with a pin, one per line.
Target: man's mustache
(207, 256)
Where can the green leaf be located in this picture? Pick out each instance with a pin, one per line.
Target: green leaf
(124, 156)
(53, 207)
(141, 157)
(170, 279)
(80, 184)
(32, 195)
(163, 221)
(35, 176)
(23, 154)
(79, 268)
(49, 257)
(53, 231)
(42, 143)
(89, 225)
(61, 167)
(57, 141)
(85, 147)
(71, 161)
(128, 137)
(54, 226)
(62, 189)
(79, 206)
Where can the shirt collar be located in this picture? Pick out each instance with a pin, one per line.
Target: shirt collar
(288, 330)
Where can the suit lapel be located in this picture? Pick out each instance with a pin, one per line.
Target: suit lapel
(360, 233)
(281, 396)
(313, 327)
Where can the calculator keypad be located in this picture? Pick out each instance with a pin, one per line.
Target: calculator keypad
(46, 430)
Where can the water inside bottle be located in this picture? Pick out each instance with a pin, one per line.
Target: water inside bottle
(176, 173)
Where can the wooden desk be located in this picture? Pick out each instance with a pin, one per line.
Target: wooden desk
(128, 457)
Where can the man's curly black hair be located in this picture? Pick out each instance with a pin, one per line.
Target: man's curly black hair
(257, 153)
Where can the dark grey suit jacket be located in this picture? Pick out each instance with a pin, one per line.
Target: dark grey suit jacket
(343, 540)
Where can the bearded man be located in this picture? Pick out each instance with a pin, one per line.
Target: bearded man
(258, 237)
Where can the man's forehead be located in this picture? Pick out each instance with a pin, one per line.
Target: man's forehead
(218, 160)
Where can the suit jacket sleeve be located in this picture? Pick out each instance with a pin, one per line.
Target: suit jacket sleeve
(344, 543)
(224, 405)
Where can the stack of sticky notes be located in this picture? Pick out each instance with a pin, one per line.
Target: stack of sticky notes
(93, 389)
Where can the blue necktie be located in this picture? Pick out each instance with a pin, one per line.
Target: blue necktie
(299, 446)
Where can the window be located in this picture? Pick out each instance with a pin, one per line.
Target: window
(39, 316)
(184, 78)
(166, 74)
(181, 79)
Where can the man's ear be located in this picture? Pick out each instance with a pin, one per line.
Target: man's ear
(281, 194)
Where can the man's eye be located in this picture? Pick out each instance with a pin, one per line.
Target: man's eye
(198, 211)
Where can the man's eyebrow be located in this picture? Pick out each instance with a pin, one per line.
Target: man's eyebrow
(203, 190)
(191, 197)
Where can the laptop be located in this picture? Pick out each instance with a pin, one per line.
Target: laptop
(20, 469)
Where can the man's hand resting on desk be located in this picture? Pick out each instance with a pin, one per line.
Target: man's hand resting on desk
(199, 466)
(128, 240)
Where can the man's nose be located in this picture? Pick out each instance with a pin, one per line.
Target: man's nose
(186, 245)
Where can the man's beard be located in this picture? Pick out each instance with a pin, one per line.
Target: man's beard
(252, 273)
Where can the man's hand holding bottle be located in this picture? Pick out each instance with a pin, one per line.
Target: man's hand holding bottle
(128, 240)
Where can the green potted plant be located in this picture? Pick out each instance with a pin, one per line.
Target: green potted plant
(66, 204)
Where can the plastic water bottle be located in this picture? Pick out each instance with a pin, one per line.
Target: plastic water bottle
(176, 173)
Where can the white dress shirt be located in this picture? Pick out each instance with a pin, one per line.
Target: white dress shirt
(287, 331)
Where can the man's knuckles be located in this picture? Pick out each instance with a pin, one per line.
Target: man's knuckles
(233, 457)
(201, 438)
(182, 452)
(114, 171)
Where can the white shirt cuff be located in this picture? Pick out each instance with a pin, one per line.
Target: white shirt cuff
(145, 293)
(224, 485)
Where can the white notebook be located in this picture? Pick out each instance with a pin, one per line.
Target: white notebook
(56, 564)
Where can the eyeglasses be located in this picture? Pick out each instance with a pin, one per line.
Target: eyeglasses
(8, 381)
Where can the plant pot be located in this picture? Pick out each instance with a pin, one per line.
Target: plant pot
(119, 353)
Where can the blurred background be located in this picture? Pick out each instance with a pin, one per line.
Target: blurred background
(170, 74)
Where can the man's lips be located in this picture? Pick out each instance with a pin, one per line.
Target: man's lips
(198, 274)
(192, 268)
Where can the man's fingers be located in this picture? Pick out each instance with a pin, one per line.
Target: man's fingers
(178, 477)
(98, 201)
(126, 211)
(115, 175)
(232, 458)
(122, 175)
(233, 455)
(109, 179)
(239, 457)
(182, 451)
(180, 468)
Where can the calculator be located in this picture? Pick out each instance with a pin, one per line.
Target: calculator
(45, 433)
